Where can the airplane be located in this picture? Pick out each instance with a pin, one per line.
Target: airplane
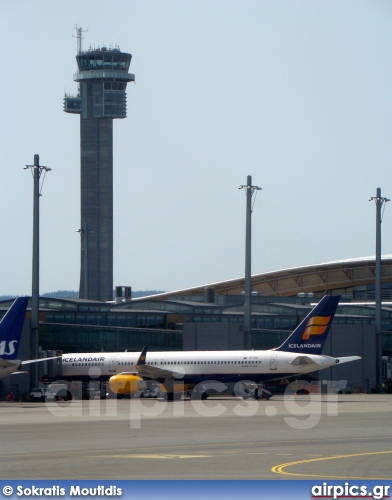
(180, 371)
(11, 327)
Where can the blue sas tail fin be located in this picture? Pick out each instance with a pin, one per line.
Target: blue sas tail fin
(310, 335)
(11, 327)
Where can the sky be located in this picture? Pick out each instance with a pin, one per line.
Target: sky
(295, 93)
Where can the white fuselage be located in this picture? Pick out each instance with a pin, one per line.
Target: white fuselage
(198, 365)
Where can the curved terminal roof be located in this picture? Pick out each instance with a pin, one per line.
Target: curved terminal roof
(338, 277)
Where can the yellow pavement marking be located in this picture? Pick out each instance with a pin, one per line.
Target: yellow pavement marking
(158, 456)
(278, 469)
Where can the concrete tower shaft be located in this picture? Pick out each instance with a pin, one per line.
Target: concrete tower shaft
(102, 76)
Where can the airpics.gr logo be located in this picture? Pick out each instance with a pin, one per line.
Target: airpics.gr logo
(315, 326)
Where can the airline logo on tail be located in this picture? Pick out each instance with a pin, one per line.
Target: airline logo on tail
(10, 350)
(310, 335)
(315, 326)
(11, 326)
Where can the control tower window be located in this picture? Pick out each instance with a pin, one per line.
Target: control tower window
(117, 60)
(106, 60)
(125, 61)
(114, 86)
(114, 104)
(99, 61)
(97, 100)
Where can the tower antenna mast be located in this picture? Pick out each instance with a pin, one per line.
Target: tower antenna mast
(79, 36)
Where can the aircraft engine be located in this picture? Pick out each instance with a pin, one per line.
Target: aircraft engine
(126, 383)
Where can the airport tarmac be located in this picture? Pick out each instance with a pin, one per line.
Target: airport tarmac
(287, 437)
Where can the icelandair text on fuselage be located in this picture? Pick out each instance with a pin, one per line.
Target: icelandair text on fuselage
(75, 491)
(80, 360)
(304, 346)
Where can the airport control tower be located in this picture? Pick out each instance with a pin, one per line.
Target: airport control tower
(102, 78)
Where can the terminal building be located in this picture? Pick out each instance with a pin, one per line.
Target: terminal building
(211, 317)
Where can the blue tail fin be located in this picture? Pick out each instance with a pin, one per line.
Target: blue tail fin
(310, 335)
(11, 327)
(142, 357)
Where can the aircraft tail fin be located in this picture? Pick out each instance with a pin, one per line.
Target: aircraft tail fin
(11, 327)
(310, 335)
(142, 358)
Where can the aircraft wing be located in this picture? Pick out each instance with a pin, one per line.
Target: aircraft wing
(347, 359)
(28, 361)
(5, 363)
(11, 367)
(154, 372)
(148, 372)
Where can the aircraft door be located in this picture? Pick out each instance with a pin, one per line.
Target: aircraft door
(273, 361)
(113, 364)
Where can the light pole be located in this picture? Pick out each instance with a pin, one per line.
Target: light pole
(36, 171)
(84, 246)
(249, 190)
(84, 257)
(379, 204)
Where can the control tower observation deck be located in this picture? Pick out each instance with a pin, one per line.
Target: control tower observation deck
(103, 77)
